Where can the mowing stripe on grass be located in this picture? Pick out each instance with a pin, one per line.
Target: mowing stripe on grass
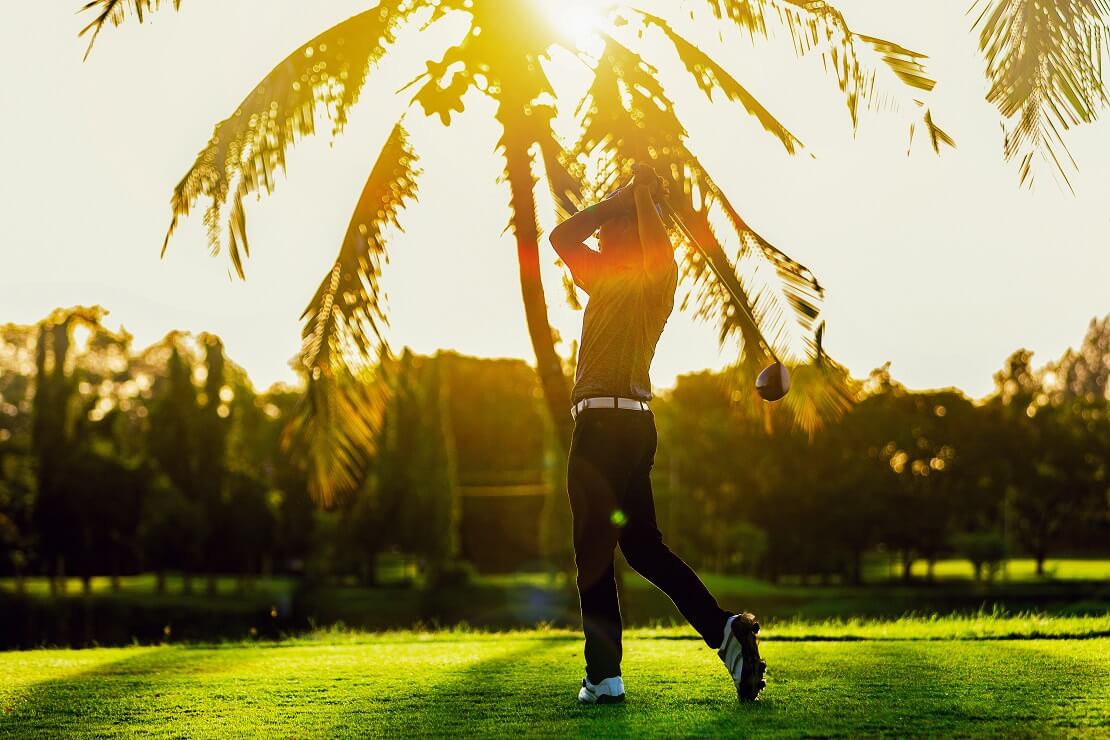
(525, 684)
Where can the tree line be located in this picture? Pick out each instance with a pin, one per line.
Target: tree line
(919, 475)
(116, 460)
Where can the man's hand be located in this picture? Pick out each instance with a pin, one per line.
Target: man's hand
(645, 176)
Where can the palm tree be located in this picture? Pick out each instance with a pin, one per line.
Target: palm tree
(626, 113)
(1044, 63)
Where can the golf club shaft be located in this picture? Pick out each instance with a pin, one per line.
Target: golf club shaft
(678, 222)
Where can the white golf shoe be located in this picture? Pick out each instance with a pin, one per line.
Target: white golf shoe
(609, 691)
(740, 652)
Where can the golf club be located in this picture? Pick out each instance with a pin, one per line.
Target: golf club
(773, 381)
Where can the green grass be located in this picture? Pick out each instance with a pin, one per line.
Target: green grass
(1020, 569)
(145, 585)
(1017, 570)
(917, 677)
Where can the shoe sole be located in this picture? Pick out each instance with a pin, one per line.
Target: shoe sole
(752, 680)
(605, 699)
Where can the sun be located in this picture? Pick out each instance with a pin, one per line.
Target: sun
(578, 20)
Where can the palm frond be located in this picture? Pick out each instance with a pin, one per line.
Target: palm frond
(748, 15)
(908, 66)
(721, 295)
(626, 115)
(816, 26)
(711, 76)
(564, 178)
(1044, 63)
(937, 135)
(115, 12)
(337, 423)
(325, 76)
(346, 313)
(333, 431)
(821, 391)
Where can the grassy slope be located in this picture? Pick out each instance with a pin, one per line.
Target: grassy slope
(404, 684)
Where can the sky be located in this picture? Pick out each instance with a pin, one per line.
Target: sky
(940, 265)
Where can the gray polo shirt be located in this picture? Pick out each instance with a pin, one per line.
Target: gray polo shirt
(623, 321)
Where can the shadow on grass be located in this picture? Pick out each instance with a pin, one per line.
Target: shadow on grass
(532, 691)
(524, 685)
(528, 687)
(103, 699)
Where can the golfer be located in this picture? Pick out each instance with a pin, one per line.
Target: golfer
(631, 282)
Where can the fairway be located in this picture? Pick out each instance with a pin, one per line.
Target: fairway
(950, 678)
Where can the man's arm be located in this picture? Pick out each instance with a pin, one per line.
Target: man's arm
(654, 240)
(567, 238)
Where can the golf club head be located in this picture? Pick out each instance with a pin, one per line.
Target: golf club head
(773, 383)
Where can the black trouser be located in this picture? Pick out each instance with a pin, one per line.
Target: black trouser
(611, 455)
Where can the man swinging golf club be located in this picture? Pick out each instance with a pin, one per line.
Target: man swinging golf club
(631, 283)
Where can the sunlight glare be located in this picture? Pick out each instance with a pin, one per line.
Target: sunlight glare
(578, 20)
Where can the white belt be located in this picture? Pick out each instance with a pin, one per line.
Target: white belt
(607, 402)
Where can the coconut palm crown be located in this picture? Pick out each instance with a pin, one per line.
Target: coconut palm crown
(625, 114)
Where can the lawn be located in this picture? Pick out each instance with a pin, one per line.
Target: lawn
(144, 586)
(1018, 569)
(877, 570)
(973, 676)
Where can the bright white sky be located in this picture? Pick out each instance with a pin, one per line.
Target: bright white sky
(942, 266)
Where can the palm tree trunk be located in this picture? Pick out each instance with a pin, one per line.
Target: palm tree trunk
(526, 230)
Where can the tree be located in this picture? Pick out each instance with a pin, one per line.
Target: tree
(431, 520)
(625, 114)
(103, 504)
(376, 516)
(705, 487)
(1044, 63)
(174, 443)
(1054, 464)
(1085, 373)
(168, 525)
(244, 522)
(504, 449)
(211, 449)
(53, 440)
(254, 446)
(18, 477)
